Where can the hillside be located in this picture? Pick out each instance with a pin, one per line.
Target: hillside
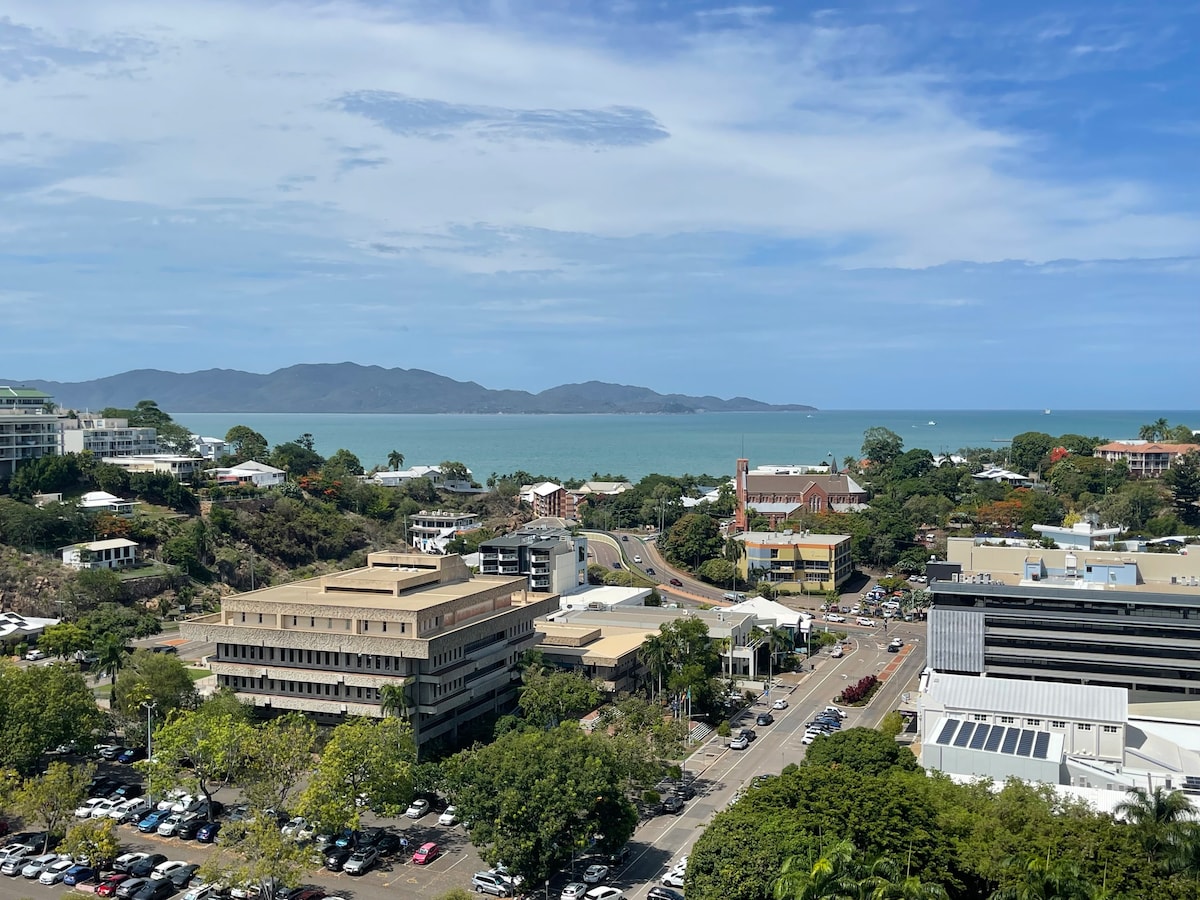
(349, 387)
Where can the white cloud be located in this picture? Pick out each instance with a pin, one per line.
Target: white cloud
(807, 133)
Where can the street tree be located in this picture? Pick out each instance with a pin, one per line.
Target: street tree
(280, 755)
(694, 538)
(367, 763)
(834, 875)
(40, 708)
(536, 797)
(93, 839)
(64, 639)
(862, 750)
(550, 698)
(202, 749)
(158, 678)
(254, 852)
(50, 800)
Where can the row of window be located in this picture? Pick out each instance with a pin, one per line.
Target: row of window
(301, 688)
(348, 662)
(1036, 723)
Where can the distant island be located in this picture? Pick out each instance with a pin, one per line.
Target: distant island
(351, 388)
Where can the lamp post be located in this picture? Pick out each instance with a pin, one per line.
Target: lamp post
(149, 706)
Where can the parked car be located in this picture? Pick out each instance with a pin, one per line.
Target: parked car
(130, 886)
(298, 829)
(143, 867)
(673, 804)
(573, 891)
(166, 869)
(865, 622)
(417, 808)
(183, 876)
(779, 704)
(35, 864)
(836, 652)
(739, 743)
(449, 817)
(764, 718)
(125, 810)
(834, 617)
(154, 890)
(203, 891)
(125, 860)
(749, 734)
(55, 872)
(491, 883)
(837, 711)
(150, 824)
(80, 873)
(189, 827)
(674, 878)
(426, 853)
(168, 826)
(336, 858)
(109, 884)
(84, 810)
(14, 864)
(131, 755)
(663, 893)
(595, 874)
(207, 833)
(110, 751)
(360, 861)
(604, 892)
(347, 839)
(388, 843)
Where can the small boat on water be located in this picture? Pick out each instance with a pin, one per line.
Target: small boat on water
(931, 422)
(1045, 412)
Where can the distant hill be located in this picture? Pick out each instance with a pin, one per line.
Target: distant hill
(349, 387)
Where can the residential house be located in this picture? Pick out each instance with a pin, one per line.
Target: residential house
(181, 468)
(433, 474)
(1146, 459)
(249, 472)
(116, 553)
(210, 448)
(432, 531)
(328, 646)
(103, 501)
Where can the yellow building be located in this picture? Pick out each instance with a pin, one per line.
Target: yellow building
(814, 562)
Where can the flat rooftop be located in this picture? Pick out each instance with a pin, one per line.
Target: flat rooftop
(796, 537)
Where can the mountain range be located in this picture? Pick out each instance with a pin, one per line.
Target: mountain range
(352, 388)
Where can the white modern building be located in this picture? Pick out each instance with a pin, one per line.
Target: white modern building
(27, 429)
(432, 531)
(103, 501)
(249, 472)
(210, 448)
(554, 560)
(433, 474)
(1080, 536)
(181, 468)
(115, 553)
(107, 437)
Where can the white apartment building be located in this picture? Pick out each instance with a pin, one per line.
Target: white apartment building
(107, 437)
(27, 430)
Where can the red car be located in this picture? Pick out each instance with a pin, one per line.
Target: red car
(426, 853)
(675, 582)
(108, 887)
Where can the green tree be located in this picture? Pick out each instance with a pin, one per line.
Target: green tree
(296, 459)
(50, 799)
(454, 471)
(280, 756)
(832, 876)
(1155, 816)
(1030, 449)
(881, 446)
(655, 655)
(98, 586)
(342, 464)
(862, 750)
(64, 639)
(247, 443)
(696, 537)
(717, 571)
(1034, 877)
(366, 760)
(536, 796)
(255, 852)
(550, 698)
(395, 460)
(40, 708)
(158, 678)
(93, 839)
(1183, 480)
(202, 749)
(112, 653)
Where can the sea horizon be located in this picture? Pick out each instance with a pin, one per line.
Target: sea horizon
(578, 445)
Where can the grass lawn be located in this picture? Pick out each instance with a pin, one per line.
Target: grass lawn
(197, 674)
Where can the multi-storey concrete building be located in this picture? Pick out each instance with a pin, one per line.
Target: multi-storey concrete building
(816, 562)
(1119, 619)
(181, 468)
(328, 646)
(1146, 459)
(28, 430)
(555, 560)
(107, 437)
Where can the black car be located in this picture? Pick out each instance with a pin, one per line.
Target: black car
(686, 791)
(748, 734)
(126, 791)
(182, 877)
(388, 843)
(143, 867)
(111, 751)
(369, 837)
(336, 858)
(658, 892)
(131, 886)
(155, 889)
(187, 830)
(764, 719)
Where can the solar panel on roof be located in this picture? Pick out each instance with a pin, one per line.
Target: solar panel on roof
(1041, 744)
(1024, 742)
(964, 734)
(947, 731)
(981, 735)
(994, 739)
(1010, 740)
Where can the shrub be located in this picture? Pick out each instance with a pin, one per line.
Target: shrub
(860, 691)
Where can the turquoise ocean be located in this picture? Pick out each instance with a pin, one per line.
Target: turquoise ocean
(567, 446)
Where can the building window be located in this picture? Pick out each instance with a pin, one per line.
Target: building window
(1110, 729)
(1007, 720)
(1084, 726)
(1057, 723)
(979, 717)
(1033, 722)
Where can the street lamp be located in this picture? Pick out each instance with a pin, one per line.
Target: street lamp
(149, 706)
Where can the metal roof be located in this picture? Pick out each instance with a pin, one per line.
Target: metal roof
(1041, 699)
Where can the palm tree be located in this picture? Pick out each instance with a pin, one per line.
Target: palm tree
(395, 700)
(833, 876)
(1155, 815)
(1184, 855)
(112, 653)
(1041, 879)
(655, 655)
(395, 460)
(888, 881)
(733, 553)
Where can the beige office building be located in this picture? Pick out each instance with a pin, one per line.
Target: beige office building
(328, 645)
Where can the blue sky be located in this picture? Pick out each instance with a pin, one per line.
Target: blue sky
(905, 204)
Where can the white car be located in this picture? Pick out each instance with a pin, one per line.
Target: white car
(297, 829)
(595, 874)
(34, 655)
(674, 878)
(102, 809)
(54, 873)
(809, 738)
(417, 808)
(865, 622)
(449, 817)
(573, 891)
(125, 860)
(165, 869)
(168, 801)
(85, 811)
(638, 560)
(604, 892)
(779, 704)
(837, 711)
(37, 865)
(130, 807)
(836, 652)
(168, 826)
(739, 743)
(834, 617)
